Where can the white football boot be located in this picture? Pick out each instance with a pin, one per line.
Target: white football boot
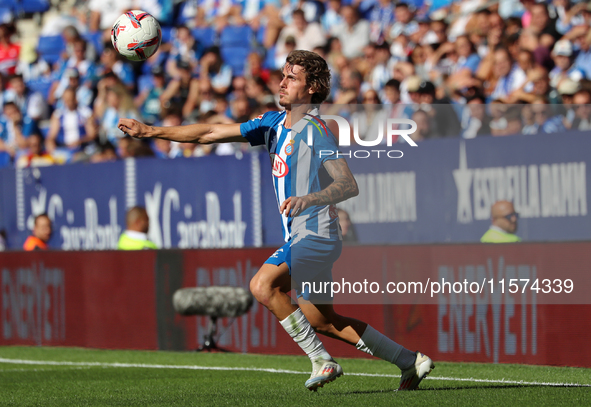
(412, 376)
(323, 371)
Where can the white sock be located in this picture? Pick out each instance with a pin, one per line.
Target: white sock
(298, 327)
(379, 345)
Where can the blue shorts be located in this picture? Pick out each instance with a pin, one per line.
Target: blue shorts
(309, 261)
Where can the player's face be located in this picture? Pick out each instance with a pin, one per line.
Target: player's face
(293, 88)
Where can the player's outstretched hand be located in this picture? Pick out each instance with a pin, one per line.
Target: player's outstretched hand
(295, 204)
(134, 128)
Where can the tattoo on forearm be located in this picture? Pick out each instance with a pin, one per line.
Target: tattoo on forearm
(343, 187)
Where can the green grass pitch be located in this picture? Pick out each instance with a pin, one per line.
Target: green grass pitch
(39, 376)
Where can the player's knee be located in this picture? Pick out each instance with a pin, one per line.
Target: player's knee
(261, 290)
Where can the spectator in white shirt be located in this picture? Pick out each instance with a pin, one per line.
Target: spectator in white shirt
(307, 35)
(510, 76)
(353, 33)
(105, 12)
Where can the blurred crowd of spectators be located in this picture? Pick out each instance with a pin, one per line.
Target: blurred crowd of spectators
(499, 67)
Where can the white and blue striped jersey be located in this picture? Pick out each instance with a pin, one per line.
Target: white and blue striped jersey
(298, 169)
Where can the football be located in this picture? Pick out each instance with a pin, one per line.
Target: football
(136, 35)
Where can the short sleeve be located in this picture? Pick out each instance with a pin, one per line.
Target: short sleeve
(325, 144)
(472, 63)
(254, 130)
(223, 78)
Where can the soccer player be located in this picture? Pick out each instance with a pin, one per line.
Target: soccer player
(310, 221)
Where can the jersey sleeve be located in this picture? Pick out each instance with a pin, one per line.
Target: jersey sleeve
(254, 130)
(325, 145)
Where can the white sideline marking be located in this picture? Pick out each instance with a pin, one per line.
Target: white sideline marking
(259, 369)
(44, 370)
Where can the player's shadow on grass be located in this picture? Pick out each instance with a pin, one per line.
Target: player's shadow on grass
(475, 387)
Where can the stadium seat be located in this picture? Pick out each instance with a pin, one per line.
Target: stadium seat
(269, 61)
(40, 85)
(4, 159)
(186, 12)
(50, 48)
(34, 6)
(144, 82)
(167, 34)
(96, 40)
(236, 57)
(205, 36)
(6, 14)
(12, 5)
(236, 36)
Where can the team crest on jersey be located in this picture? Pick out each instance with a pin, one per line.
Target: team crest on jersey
(289, 147)
(333, 212)
(280, 169)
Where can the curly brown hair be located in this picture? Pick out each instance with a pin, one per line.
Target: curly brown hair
(316, 70)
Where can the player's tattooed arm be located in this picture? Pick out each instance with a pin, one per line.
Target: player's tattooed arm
(343, 187)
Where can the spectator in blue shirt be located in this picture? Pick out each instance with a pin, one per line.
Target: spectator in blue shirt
(583, 60)
(213, 68)
(331, 17)
(404, 24)
(11, 136)
(184, 48)
(467, 56)
(149, 100)
(381, 19)
(71, 79)
(562, 54)
(31, 104)
(86, 67)
(116, 102)
(546, 121)
(112, 62)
